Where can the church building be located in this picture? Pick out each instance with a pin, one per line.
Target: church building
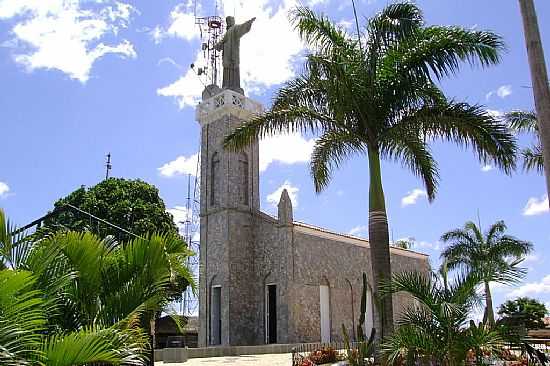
(267, 279)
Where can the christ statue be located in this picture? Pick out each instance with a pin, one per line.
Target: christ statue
(230, 44)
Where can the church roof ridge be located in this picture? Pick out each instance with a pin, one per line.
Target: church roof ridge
(365, 241)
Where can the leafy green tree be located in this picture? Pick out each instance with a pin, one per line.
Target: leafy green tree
(523, 312)
(133, 205)
(436, 329)
(493, 255)
(406, 243)
(527, 122)
(377, 96)
(72, 298)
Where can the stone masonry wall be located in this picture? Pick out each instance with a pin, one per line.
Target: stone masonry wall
(319, 260)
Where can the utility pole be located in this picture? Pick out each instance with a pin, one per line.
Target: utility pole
(539, 79)
(108, 166)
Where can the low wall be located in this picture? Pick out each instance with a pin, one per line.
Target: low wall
(163, 354)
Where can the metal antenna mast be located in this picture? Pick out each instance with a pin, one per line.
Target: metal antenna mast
(108, 166)
(211, 30)
(189, 304)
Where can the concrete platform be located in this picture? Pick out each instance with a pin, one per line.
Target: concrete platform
(284, 359)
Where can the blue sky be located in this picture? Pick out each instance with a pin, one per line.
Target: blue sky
(79, 79)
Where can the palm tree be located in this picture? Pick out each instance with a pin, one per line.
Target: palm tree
(494, 256)
(527, 122)
(436, 328)
(539, 78)
(27, 339)
(376, 96)
(72, 299)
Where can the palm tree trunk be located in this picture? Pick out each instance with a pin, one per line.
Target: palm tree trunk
(489, 312)
(379, 245)
(539, 79)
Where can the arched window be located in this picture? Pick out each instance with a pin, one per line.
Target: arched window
(243, 179)
(324, 308)
(352, 306)
(214, 180)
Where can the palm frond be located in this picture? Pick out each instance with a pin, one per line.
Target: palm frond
(21, 318)
(318, 31)
(406, 146)
(440, 50)
(275, 122)
(329, 152)
(91, 346)
(533, 159)
(14, 244)
(394, 23)
(522, 121)
(418, 285)
(467, 125)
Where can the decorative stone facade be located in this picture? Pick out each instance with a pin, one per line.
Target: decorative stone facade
(254, 265)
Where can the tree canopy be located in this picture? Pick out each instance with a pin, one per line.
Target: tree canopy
(523, 312)
(494, 255)
(133, 205)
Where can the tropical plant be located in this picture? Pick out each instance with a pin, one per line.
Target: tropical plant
(493, 255)
(133, 205)
(436, 328)
(26, 338)
(363, 350)
(75, 299)
(527, 122)
(377, 96)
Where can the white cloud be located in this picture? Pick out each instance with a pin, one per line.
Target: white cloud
(495, 113)
(274, 197)
(180, 166)
(413, 196)
(504, 91)
(286, 149)
(187, 90)
(262, 64)
(4, 190)
(63, 35)
(487, 168)
(536, 206)
(427, 245)
(180, 214)
(361, 230)
(533, 288)
(170, 61)
(182, 25)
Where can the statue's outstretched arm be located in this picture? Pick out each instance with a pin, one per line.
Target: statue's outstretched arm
(245, 27)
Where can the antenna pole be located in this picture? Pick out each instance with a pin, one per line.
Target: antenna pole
(108, 166)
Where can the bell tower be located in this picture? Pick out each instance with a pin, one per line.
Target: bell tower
(229, 200)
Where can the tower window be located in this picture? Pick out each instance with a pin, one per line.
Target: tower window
(214, 180)
(243, 179)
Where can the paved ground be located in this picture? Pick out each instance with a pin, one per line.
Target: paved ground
(259, 360)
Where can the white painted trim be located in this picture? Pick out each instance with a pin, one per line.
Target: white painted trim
(324, 311)
(227, 102)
